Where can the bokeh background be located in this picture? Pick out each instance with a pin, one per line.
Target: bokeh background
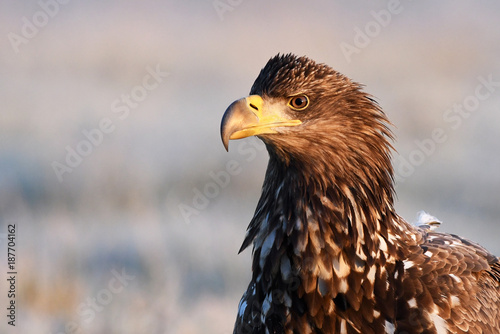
(137, 236)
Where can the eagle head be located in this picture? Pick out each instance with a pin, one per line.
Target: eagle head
(315, 119)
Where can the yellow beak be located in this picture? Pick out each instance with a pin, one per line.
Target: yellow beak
(251, 116)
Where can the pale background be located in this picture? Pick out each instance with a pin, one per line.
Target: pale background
(119, 209)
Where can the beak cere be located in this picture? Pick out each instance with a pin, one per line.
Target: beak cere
(250, 116)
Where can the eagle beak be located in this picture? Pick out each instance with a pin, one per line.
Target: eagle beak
(251, 116)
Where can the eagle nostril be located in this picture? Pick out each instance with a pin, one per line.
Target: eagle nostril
(253, 106)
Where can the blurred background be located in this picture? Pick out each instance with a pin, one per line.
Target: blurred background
(128, 211)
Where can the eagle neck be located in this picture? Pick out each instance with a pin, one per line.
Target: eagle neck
(357, 207)
(317, 241)
(306, 213)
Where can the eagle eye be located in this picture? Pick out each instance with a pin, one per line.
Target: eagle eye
(299, 102)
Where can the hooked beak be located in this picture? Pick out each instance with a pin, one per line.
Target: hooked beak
(251, 116)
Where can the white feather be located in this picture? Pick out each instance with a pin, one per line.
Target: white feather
(426, 220)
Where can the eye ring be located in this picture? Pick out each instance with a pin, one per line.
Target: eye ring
(299, 102)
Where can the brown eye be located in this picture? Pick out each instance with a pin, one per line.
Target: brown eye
(299, 102)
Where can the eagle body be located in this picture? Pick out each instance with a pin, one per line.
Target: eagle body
(330, 254)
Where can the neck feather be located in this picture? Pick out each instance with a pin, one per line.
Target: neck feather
(299, 196)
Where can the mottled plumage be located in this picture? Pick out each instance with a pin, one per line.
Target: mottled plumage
(330, 254)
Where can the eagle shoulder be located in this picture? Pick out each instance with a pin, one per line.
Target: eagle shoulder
(450, 283)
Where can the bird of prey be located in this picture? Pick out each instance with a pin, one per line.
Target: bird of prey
(330, 254)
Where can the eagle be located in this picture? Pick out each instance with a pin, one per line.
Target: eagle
(330, 253)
